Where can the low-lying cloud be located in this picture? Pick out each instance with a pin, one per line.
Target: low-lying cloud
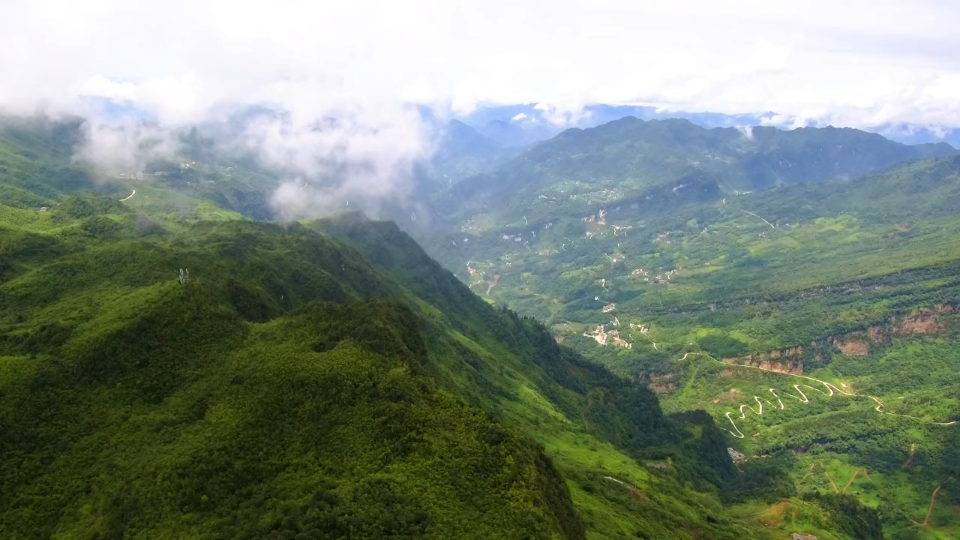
(123, 145)
(366, 153)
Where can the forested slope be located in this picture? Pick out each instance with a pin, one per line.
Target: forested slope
(171, 369)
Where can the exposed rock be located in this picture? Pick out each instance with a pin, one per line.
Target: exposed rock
(877, 334)
(602, 337)
(797, 536)
(789, 360)
(617, 341)
(921, 322)
(662, 383)
(737, 457)
(852, 347)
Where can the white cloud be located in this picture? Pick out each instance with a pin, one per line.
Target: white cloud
(123, 145)
(859, 63)
(567, 113)
(100, 86)
(180, 58)
(362, 152)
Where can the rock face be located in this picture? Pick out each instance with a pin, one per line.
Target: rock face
(922, 321)
(926, 321)
(789, 360)
(797, 536)
(737, 457)
(662, 383)
(852, 347)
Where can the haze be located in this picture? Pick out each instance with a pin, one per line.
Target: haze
(856, 63)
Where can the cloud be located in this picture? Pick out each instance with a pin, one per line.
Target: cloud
(563, 114)
(123, 145)
(361, 153)
(857, 63)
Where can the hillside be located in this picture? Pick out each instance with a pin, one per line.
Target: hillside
(789, 314)
(630, 161)
(171, 369)
(461, 152)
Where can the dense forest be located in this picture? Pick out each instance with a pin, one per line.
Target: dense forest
(172, 367)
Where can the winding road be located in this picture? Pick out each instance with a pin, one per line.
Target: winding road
(830, 387)
(127, 198)
(756, 216)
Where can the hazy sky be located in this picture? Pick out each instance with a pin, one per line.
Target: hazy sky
(858, 62)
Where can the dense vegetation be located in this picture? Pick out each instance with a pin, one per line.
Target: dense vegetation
(171, 369)
(634, 161)
(329, 379)
(664, 236)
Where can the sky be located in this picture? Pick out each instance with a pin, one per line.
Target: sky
(857, 63)
(861, 62)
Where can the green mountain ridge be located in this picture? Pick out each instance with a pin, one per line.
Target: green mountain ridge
(583, 169)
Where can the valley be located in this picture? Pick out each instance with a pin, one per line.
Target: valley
(623, 270)
(171, 367)
(667, 360)
(788, 311)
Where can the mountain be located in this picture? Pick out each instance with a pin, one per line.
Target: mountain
(529, 123)
(630, 159)
(171, 368)
(799, 286)
(525, 124)
(461, 151)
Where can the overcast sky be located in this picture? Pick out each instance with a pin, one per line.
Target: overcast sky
(858, 62)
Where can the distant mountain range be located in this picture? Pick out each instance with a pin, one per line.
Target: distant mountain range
(524, 124)
(670, 160)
